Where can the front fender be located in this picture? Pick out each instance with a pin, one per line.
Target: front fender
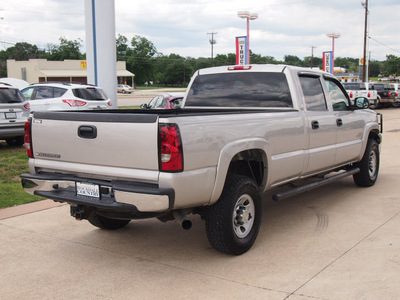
(226, 156)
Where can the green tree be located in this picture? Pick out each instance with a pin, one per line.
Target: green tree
(141, 61)
(292, 60)
(23, 51)
(66, 50)
(392, 65)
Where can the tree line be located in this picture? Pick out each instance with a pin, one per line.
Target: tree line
(151, 66)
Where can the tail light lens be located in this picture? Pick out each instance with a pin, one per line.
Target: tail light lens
(390, 95)
(28, 138)
(27, 106)
(75, 103)
(109, 103)
(351, 95)
(171, 154)
(235, 68)
(369, 95)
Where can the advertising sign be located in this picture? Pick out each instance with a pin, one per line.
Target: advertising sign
(327, 61)
(241, 50)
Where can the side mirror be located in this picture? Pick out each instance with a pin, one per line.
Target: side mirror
(144, 106)
(361, 103)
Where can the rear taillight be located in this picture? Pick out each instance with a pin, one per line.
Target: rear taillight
(109, 103)
(171, 154)
(27, 106)
(390, 95)
(369, 95)
(75, 103)
(28, 138)
(351, 95)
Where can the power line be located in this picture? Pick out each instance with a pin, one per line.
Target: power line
(384, 45)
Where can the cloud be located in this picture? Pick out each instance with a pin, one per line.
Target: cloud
(284, 27)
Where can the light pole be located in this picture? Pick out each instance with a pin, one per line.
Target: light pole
(365, 62)
(248, 16)
(333, 36)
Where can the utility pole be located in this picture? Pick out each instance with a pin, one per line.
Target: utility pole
(212, 42)
(312, 55)
(365, 5)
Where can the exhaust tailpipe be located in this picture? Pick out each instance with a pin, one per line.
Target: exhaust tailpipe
(183, 219)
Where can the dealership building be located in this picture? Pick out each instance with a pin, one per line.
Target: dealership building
(41, 70)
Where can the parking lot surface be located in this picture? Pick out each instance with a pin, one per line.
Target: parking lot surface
(336, 242)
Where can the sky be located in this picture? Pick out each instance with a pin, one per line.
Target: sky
(283, 27)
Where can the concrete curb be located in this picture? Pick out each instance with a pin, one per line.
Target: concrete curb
(14, 211)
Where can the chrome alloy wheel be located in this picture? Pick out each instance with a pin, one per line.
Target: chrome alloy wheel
(372, 164)
(243, 216)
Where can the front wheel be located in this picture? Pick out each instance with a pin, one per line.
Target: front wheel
(107, 223)
(233, 222)
(369, 166)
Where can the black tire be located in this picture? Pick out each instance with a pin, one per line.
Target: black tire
(369, 166)
(107, 223)
(233, 222)
(15, 141)
(374, 105)
(396, 104)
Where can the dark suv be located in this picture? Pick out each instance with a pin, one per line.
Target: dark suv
(14, 112)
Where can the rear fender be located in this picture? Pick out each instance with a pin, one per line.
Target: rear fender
(226, 156)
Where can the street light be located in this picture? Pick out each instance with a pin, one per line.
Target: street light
(248, 16)
(333, 36)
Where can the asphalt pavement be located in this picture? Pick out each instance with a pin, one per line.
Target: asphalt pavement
(336, 242)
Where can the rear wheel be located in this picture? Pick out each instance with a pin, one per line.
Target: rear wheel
(233, 222)
(369, 166)
(107, 223)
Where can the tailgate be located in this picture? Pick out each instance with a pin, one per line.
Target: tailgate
(127, 140)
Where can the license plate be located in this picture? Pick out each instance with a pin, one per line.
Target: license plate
(11, 115)
(88, 190)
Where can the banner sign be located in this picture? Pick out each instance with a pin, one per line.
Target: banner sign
(241, 50)
(327, 61)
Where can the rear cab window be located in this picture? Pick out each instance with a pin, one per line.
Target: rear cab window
(90, 94)
(240, 89)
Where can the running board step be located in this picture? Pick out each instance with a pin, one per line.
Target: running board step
(314, 185)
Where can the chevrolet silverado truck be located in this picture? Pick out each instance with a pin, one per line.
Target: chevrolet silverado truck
(362, 89)
(386, 94)
(242, 130)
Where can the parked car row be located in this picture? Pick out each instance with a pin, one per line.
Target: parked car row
(16, 105)
(380, 95)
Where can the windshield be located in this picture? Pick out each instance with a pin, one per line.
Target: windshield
(241, 89)
(11, 96)
(90, 94)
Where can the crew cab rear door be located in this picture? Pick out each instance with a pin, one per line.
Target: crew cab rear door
(320, 124)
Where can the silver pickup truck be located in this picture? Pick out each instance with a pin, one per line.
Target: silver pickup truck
(241, 131)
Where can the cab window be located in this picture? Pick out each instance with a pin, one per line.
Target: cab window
(337, 95)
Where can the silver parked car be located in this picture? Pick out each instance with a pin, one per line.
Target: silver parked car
(14, 112)
(124, 88)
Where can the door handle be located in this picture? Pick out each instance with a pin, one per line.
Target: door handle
(339, 122)
(87, 132)
(314, 125)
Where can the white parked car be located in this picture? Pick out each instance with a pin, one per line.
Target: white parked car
(14, 112)
(65, 96)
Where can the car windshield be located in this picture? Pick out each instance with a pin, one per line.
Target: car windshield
(11, 96)
(90, 94)
(250, 89)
